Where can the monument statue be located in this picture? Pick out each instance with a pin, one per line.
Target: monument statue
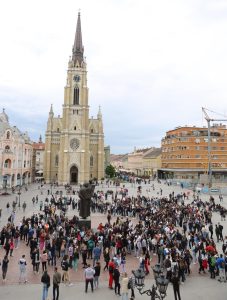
(85, 194)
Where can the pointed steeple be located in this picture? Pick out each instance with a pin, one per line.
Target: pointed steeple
(78, 49)
(99, 113)
(40, 139)
(51, 113)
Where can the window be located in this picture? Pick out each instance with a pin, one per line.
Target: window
(76, 96)
(8, 135)
(214, 157)
(24, 163)
(92, 130)
(74, 127)
(56, 160)
(183, 139)
(57, 129)
(7, 148)
(91, 161)
(197, 147)
(7, 163)
(197, 156)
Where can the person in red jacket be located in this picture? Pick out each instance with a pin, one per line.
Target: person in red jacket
(111, 267)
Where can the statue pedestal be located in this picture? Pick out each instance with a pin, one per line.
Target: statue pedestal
(84, 223)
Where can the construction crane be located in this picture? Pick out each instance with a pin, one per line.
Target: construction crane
(208, 119)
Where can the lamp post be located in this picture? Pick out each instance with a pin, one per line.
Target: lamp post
(157, 291)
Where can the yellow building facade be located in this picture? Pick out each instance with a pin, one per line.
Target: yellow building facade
(74, 146)
(185, 152)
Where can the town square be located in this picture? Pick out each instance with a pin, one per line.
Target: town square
(113, 150)
(199, 285)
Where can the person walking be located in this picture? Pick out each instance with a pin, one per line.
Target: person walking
(22, 265)
(5, 263)
(96, 254)
(124, 286)
(176, 286)
(45, 279)
(217, 232)
(97, 269)
(56, 283)
(106, 255)
(116, 278)
(132, 283)
(44, 260)
(76, 256)
(65, 269)
(220, 227)
(24, 206)
(111, 268)
(7, 247)
(11, 247)
(89, 277)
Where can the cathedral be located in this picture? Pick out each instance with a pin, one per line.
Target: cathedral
(74, 146)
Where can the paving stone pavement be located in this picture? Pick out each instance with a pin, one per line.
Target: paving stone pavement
(197, 285)
(203, 289)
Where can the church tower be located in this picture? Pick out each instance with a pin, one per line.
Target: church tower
(74, 143)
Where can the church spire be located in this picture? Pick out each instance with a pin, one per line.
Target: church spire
(78, 49)
(51, 112)
(99, 113)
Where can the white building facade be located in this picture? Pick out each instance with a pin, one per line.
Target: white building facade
(15, 155)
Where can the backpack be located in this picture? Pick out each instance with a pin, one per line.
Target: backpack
(182, 264)
(213, 261)
(63, 265)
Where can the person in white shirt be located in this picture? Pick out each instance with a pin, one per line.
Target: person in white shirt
(22, 265)
(89, 277)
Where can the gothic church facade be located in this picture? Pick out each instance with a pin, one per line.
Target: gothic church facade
(74, 145)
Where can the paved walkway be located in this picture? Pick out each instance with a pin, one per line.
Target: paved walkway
(203, 289)
(197, 286)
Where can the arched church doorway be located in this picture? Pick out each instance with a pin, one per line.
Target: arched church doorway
(74, 175)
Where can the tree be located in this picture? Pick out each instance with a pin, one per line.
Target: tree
(110, 171)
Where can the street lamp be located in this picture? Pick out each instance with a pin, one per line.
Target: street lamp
(157, 291)
(157, 270)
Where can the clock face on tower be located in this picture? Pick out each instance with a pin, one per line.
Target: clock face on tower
(76, 78)
(74, 144)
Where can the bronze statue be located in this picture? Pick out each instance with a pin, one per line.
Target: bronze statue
(85, 194)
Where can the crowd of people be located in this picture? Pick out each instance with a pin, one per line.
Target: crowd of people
(172, 230)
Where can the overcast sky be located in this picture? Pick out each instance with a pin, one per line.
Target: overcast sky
(152, 64)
